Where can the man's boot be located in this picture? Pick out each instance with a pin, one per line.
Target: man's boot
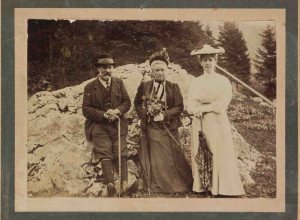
(108, 174)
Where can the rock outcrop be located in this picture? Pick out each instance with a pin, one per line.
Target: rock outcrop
(58, 153)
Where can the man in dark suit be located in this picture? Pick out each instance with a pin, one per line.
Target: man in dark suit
(105, 101)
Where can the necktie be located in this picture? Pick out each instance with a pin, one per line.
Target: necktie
(107, 85)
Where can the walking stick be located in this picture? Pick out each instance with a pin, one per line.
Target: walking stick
(119, 146)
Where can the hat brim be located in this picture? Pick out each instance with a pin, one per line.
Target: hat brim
(207, 51)
(104, 64)
(105, 61)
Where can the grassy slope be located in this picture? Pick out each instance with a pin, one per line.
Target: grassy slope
(257, 126)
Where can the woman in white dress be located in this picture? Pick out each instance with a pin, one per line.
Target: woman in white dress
(209, 97)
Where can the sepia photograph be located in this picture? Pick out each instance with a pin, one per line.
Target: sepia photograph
(152, 109)
(73, 139)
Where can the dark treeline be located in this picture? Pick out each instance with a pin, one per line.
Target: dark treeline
(236, 58)
(61, 53)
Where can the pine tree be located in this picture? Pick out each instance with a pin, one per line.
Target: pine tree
(236, 58)
(208, 33)
(265, 62)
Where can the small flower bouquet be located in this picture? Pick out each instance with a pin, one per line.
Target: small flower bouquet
(155, 107)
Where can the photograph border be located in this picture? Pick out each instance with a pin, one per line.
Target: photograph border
(8, 134)
(146, 204)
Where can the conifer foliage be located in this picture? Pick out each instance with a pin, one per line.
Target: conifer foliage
(208, 32)
(265, 62)
(236, 58)
(61, 53)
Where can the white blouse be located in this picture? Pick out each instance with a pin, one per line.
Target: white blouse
(209, 93)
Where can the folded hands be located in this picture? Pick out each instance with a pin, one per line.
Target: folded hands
(112, 114)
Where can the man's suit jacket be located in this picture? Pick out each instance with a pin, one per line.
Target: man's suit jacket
(92, 107)
(174, 102)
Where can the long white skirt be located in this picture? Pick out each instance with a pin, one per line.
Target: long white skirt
(225, 176)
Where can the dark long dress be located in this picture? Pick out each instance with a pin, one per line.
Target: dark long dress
(170, 171)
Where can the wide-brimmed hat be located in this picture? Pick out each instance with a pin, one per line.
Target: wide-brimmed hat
(207, 49)
(105, 59)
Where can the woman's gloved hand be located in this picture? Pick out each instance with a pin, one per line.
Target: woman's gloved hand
(159, 117)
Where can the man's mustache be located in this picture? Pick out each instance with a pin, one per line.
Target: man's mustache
(106, 74)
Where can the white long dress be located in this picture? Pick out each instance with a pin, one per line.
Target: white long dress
(212, 93)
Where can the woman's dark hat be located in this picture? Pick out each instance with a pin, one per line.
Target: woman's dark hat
(162, 55)
(105, 59)
(207, 49)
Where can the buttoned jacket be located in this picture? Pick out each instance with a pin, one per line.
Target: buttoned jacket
(92, 107)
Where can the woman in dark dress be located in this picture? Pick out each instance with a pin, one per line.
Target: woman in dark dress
(159, 103)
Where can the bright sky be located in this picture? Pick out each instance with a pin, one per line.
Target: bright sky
(250, 30)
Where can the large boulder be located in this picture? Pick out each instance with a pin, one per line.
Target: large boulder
(58, 153)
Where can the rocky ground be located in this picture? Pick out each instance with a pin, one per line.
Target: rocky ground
(58, 153)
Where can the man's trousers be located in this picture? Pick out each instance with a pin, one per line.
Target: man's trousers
(105, 141)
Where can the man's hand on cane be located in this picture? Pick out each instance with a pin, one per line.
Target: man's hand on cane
(199, 114)
(112, 114)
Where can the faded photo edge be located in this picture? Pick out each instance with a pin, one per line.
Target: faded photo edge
(23, 203)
